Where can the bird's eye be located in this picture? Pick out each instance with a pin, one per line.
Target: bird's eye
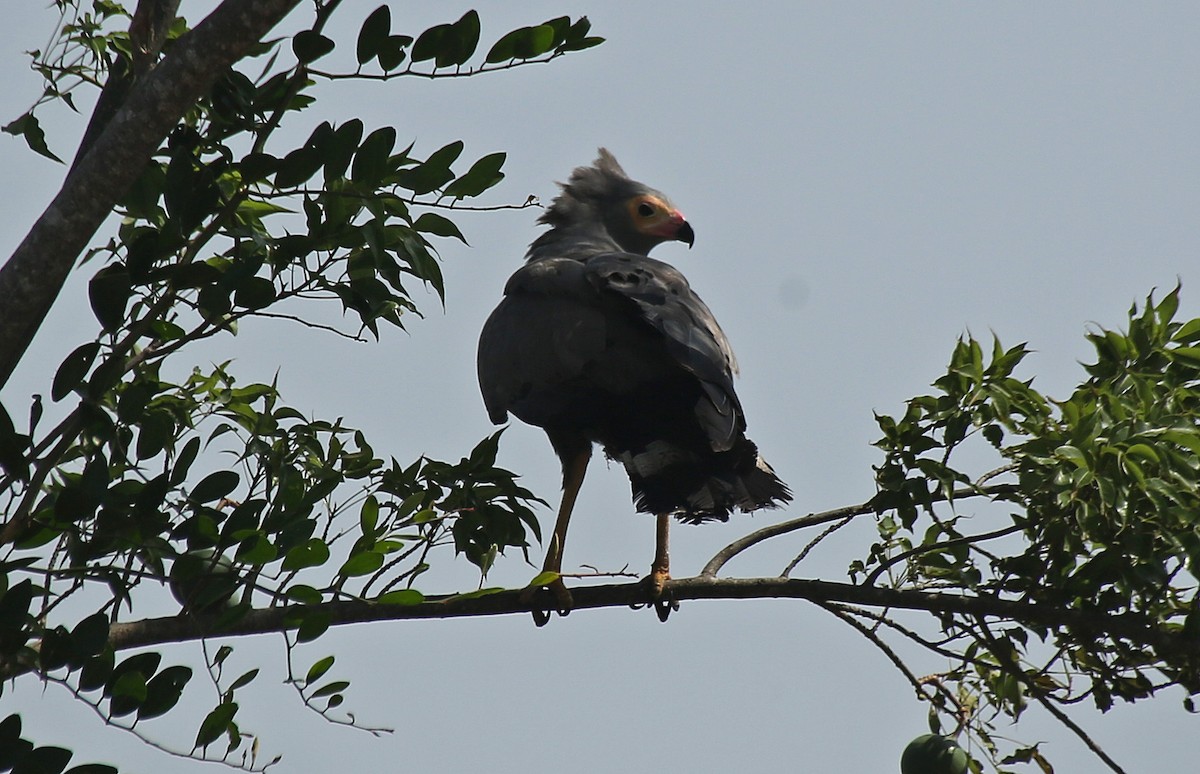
(645, 209)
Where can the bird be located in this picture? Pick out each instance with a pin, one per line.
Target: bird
(599, 344)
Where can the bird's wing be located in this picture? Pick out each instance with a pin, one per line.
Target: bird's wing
(661, 296)
(545, 331)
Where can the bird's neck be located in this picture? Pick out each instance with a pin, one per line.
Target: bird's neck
(578, 241)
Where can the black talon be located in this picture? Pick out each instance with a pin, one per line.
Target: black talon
(664, 607)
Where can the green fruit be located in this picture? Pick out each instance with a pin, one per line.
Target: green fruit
(203, 581)
(933, 754)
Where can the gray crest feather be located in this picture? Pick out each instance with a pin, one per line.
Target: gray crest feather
(604, 180)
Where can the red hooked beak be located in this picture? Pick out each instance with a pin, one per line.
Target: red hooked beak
(676, 227)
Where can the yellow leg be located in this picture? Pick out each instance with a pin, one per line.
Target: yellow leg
(660, 569)
(573, 472)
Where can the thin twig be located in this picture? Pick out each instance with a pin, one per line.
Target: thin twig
(302, 685)
(813, 519)
(993, 473)
(838, 612)
(813, 544)
(774, 530)
(308, 324)
(409, 72)
(594, 572)
(108, 721)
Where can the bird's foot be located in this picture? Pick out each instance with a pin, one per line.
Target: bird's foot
(546, 599)
(656, 587)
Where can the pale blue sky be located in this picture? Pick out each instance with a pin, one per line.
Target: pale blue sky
(867, 182)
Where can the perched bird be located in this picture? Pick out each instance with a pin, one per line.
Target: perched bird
(596, 343)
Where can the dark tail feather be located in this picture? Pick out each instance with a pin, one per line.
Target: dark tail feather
(697, 488)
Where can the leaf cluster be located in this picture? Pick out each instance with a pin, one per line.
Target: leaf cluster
(1093, 502)
(142, 471)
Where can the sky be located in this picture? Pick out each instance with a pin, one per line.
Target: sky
(867, 183)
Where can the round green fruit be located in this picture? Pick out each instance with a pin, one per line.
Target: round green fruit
(203, 581)
(933, 754)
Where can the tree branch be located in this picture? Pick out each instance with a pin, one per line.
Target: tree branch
(34, 275)
(775, 530)
(824, 517)
(180, 628)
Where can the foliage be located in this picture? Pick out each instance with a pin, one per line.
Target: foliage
(228, 223)
(1101, 492)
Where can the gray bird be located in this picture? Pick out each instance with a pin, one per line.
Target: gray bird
(596, 343)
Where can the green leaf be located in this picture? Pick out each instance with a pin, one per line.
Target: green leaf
(371, 161)
(1190, 354)
(144, 664)
(432, 223)
(298, 166)
(312, 626)
(244, 680)
(10, 730)
(215, 486)
(134, 397)
(581, 44)
(503, 49)
(434, 173)
(561, 26)
(579, 29)
(27, 126)
(341, 149)
(362, 564)
(70, 374)
(535, 41)
(393, 52)
(482, 175)
(318, 670)
(305, 595)
(163, 691)
(544, 579)
(12, 448)
(155, 430)
(254, 293)
(1144, 451)
(310, 45)
(97, 671)
(90, 635)
(189, 192)
(43, 760)
(311, 553)
(330, 688)
(126, 693)
(523, 43)
(368, 516)
(429, 43)
(214, 302)
(184, 460)
(109, 293)
(1072, 454)
(401, 597)
(56, 650)
(216, 723)
(256, 549)
(374, 34)
(460, 41)
(1190, 332)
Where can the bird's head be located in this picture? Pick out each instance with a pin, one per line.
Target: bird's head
(634, 215)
